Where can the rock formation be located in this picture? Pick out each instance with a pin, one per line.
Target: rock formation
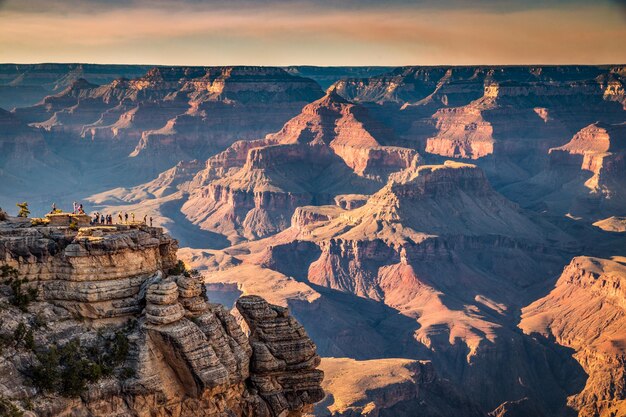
(252, 189)
(586, 312)
(427, 287)
(505, 117)
(418, 246)
(177, 354)
(380, 387)
(584, 177)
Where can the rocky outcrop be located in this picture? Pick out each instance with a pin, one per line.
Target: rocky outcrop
(176, 354)
(27, 164)
(252, 189)
(505, 118)
(380, 387)
(143, 125)
(586, 312)
(96, 272)
(585, 176)
(601, 150)
(284, 359)
(416, 246)
(24, 85)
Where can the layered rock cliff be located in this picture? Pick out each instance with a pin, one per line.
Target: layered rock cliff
(586, 311)
(585, 176)
(506, 118)
(103, 321)
(252, 189)
(432, 246)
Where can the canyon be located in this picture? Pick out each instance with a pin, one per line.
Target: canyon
(356, 241)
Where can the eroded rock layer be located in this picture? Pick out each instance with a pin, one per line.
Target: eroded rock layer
(586, 312)
(175, 354)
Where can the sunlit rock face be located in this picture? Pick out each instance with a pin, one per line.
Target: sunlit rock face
(585, 311)
(333, 146)
(414, 246)
(505, 118)
(182, 356)
(144, 124)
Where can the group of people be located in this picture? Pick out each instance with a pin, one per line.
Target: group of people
(77, 208)
(100, 218)
(123, 218)
(105, 219)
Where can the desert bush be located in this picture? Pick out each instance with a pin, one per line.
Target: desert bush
(67, 369)
(181, 269)
(39, 222)
(8, 409)
(21, 297)
(24, 211)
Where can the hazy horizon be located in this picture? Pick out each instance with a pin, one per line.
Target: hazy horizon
(313, 32)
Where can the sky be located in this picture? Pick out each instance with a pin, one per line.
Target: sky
(314, 32)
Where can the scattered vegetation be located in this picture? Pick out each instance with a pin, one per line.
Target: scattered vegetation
(39, 221)
(8, 409)
(73, 225)
(22, 337)
(181, 269)
(22, 297)
(24, 211)
(67, 369)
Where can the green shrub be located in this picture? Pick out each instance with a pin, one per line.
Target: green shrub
(8, 409)
(73, 225)
(19, 334)
(67, 369)
(37, 221)
(181, 269)
(24, 211)
(21, 296)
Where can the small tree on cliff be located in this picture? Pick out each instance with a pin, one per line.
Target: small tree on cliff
(24, 211)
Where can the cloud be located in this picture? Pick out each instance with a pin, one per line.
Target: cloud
(64, 6)
(201, 35)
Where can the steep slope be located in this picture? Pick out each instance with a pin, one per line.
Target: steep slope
(24, 85)
(506, 118)
(27, 165)
(387, 387)
(172, 113)
(333, 147)
(586, 176)
(126, 132)
(586, 311)
(441, 249)
(112, 330)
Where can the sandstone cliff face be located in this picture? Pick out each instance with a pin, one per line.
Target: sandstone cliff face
(382, 387)
(586, 312)
(584, 177)
(146, 124)
(182, 355)
(26, 84)
(27, 164)
(417, 245)
(252, 189)
(506, 118)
